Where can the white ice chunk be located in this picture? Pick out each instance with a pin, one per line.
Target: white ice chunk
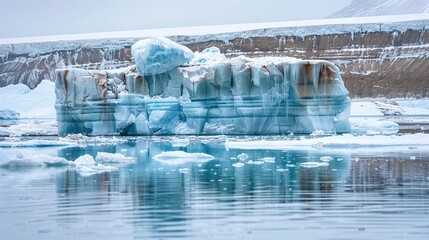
(238, 165)
(106, 157)
(314, 164)
(180, 157)
(40, 160)
(242, 157)
(268, 159)
(183, 170)
(90, 170)
(258, 162)
(84, 160)
(326, 158)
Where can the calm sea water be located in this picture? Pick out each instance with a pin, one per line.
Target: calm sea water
(354, 196)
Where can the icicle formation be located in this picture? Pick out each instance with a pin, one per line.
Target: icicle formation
(213, 96)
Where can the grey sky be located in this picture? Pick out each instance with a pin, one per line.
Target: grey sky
(24, 18)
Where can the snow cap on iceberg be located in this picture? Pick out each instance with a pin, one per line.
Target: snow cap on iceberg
(159, 55)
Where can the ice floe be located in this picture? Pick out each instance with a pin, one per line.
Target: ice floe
(40, 160)
(349, 142)
(181, 157)
(106, 157)
(313, 164)
(86, 166)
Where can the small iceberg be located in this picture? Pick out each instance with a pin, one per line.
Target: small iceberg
(268, 159)
(41, 160)
(242, 157)
(106, 157)
(326, 158)
(181, 157)
(86, 166)
(314, 164)
(238, 165)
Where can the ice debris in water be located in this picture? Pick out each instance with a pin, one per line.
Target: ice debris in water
(181, 157)
(258, 162)
(86, 170)
(86, 166)
(238, 165)
(41, 160)
(183, 170)
(84, 160)
(314, 164)
(268, 159)
(242, 157)
(159, 55)
(326, 158)
(106, 157)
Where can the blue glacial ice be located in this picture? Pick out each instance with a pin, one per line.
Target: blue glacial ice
(159, 55)
(212, 96)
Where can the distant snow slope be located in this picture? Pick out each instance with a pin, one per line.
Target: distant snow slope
(361, 8)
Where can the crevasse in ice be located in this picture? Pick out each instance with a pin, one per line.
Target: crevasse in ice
(219, 96)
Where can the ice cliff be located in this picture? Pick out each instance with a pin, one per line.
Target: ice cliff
(205, 95)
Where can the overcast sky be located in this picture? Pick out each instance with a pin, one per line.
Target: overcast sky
(25, 18)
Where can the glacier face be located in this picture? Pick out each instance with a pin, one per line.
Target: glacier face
(234, 96)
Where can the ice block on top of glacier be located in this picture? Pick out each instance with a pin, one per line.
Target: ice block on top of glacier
(159, 55)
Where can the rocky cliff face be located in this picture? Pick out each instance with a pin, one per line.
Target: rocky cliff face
(32, 67)
(373, 63)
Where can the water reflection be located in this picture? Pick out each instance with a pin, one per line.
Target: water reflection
(355, 196)
(165, 200)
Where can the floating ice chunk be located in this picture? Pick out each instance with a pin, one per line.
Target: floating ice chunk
(106, 157)
(84, 160)
(88, 170)
(180, 157)
(238, 165)
(86, 166)
(282, 170)
(50, 161)
(242, 157)
(268, 159)
(250, 162)
(41, 160)
(258, 162)
(159, 55)
(183, 170)
(314, 164)
(326, 158)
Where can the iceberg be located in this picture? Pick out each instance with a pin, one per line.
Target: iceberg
(212, 96)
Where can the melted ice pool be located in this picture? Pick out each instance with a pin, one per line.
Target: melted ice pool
(197, 188)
